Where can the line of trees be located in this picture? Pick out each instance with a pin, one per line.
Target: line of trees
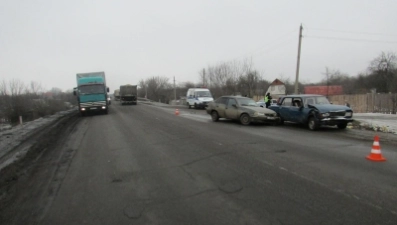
(30, 101)
(240, 77)
(380, 76)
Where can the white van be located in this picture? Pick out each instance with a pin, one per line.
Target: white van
(198, 97)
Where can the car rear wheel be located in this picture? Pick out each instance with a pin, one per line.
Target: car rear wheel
(313, 124)
(214, 116)
(245, 119)
(342, 125)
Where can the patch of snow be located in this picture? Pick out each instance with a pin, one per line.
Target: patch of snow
(14, 136)
(386, 123)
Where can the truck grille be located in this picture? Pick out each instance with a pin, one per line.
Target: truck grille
(92, 104)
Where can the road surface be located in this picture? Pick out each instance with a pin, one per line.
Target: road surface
(142, 164)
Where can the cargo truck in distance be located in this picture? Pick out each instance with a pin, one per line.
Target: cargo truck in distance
(128, 94)
(91, 92)
(117, 95)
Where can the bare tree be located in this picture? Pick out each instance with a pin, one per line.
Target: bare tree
(156, 88)
(17, 87)
(3, 88)
(35, 88)
(383, 67)
(225, 76)
(249, 83)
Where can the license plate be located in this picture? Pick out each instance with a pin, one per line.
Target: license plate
(271, 118)
(93, 108)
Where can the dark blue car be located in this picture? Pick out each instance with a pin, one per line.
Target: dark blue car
(312, 110)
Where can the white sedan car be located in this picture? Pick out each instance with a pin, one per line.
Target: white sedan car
(262, 103)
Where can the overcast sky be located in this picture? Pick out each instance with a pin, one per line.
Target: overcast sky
(49, 41)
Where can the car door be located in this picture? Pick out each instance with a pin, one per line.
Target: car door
(296, 111)
(284, 109)
(220, 106)
(231, 110)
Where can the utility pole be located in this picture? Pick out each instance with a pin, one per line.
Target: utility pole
(298, 61)
(204, 78)
(174, 89)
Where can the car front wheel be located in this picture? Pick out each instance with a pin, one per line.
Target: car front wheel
(281, 121)
(342, 125)
(313, 124)
(245, 119)
(214, 116)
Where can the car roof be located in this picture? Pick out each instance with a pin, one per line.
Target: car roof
(232, 96)
(303, 95)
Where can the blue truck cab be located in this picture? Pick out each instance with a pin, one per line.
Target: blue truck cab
(91, 92)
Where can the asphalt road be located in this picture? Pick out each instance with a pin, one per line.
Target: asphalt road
(142, 164)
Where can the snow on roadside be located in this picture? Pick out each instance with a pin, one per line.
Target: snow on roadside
(386, 123)
(11, 138)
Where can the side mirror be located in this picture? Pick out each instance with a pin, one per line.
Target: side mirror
(234, 105)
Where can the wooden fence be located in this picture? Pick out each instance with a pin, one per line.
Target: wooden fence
(368, 103)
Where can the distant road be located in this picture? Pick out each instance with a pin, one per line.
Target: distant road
(142, 164)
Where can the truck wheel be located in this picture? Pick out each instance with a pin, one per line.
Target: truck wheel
(312, 124)
(342, 125)
(106, 111)
(82, 113)
(245, 119)
(195, 106)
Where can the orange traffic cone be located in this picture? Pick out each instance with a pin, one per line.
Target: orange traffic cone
(176, 112)
(375, 154)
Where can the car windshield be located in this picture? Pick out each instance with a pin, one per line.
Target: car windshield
(91, 89)
(322, 100)
(246, 102)
(203, 94)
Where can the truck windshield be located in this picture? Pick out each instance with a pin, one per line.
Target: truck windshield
(91, 89)
(203, 94)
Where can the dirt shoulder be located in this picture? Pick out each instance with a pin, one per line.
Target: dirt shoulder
(25, 183)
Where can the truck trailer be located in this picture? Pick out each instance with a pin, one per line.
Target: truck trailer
(128, 94)
(91, 92)
(117, 95)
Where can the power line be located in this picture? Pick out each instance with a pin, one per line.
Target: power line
(354, 32)
(263, 48)
(351, 39)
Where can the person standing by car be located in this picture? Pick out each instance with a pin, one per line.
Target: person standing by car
(268, 100)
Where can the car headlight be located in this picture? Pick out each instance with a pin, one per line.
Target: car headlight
(324, 114)
(349, 114)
